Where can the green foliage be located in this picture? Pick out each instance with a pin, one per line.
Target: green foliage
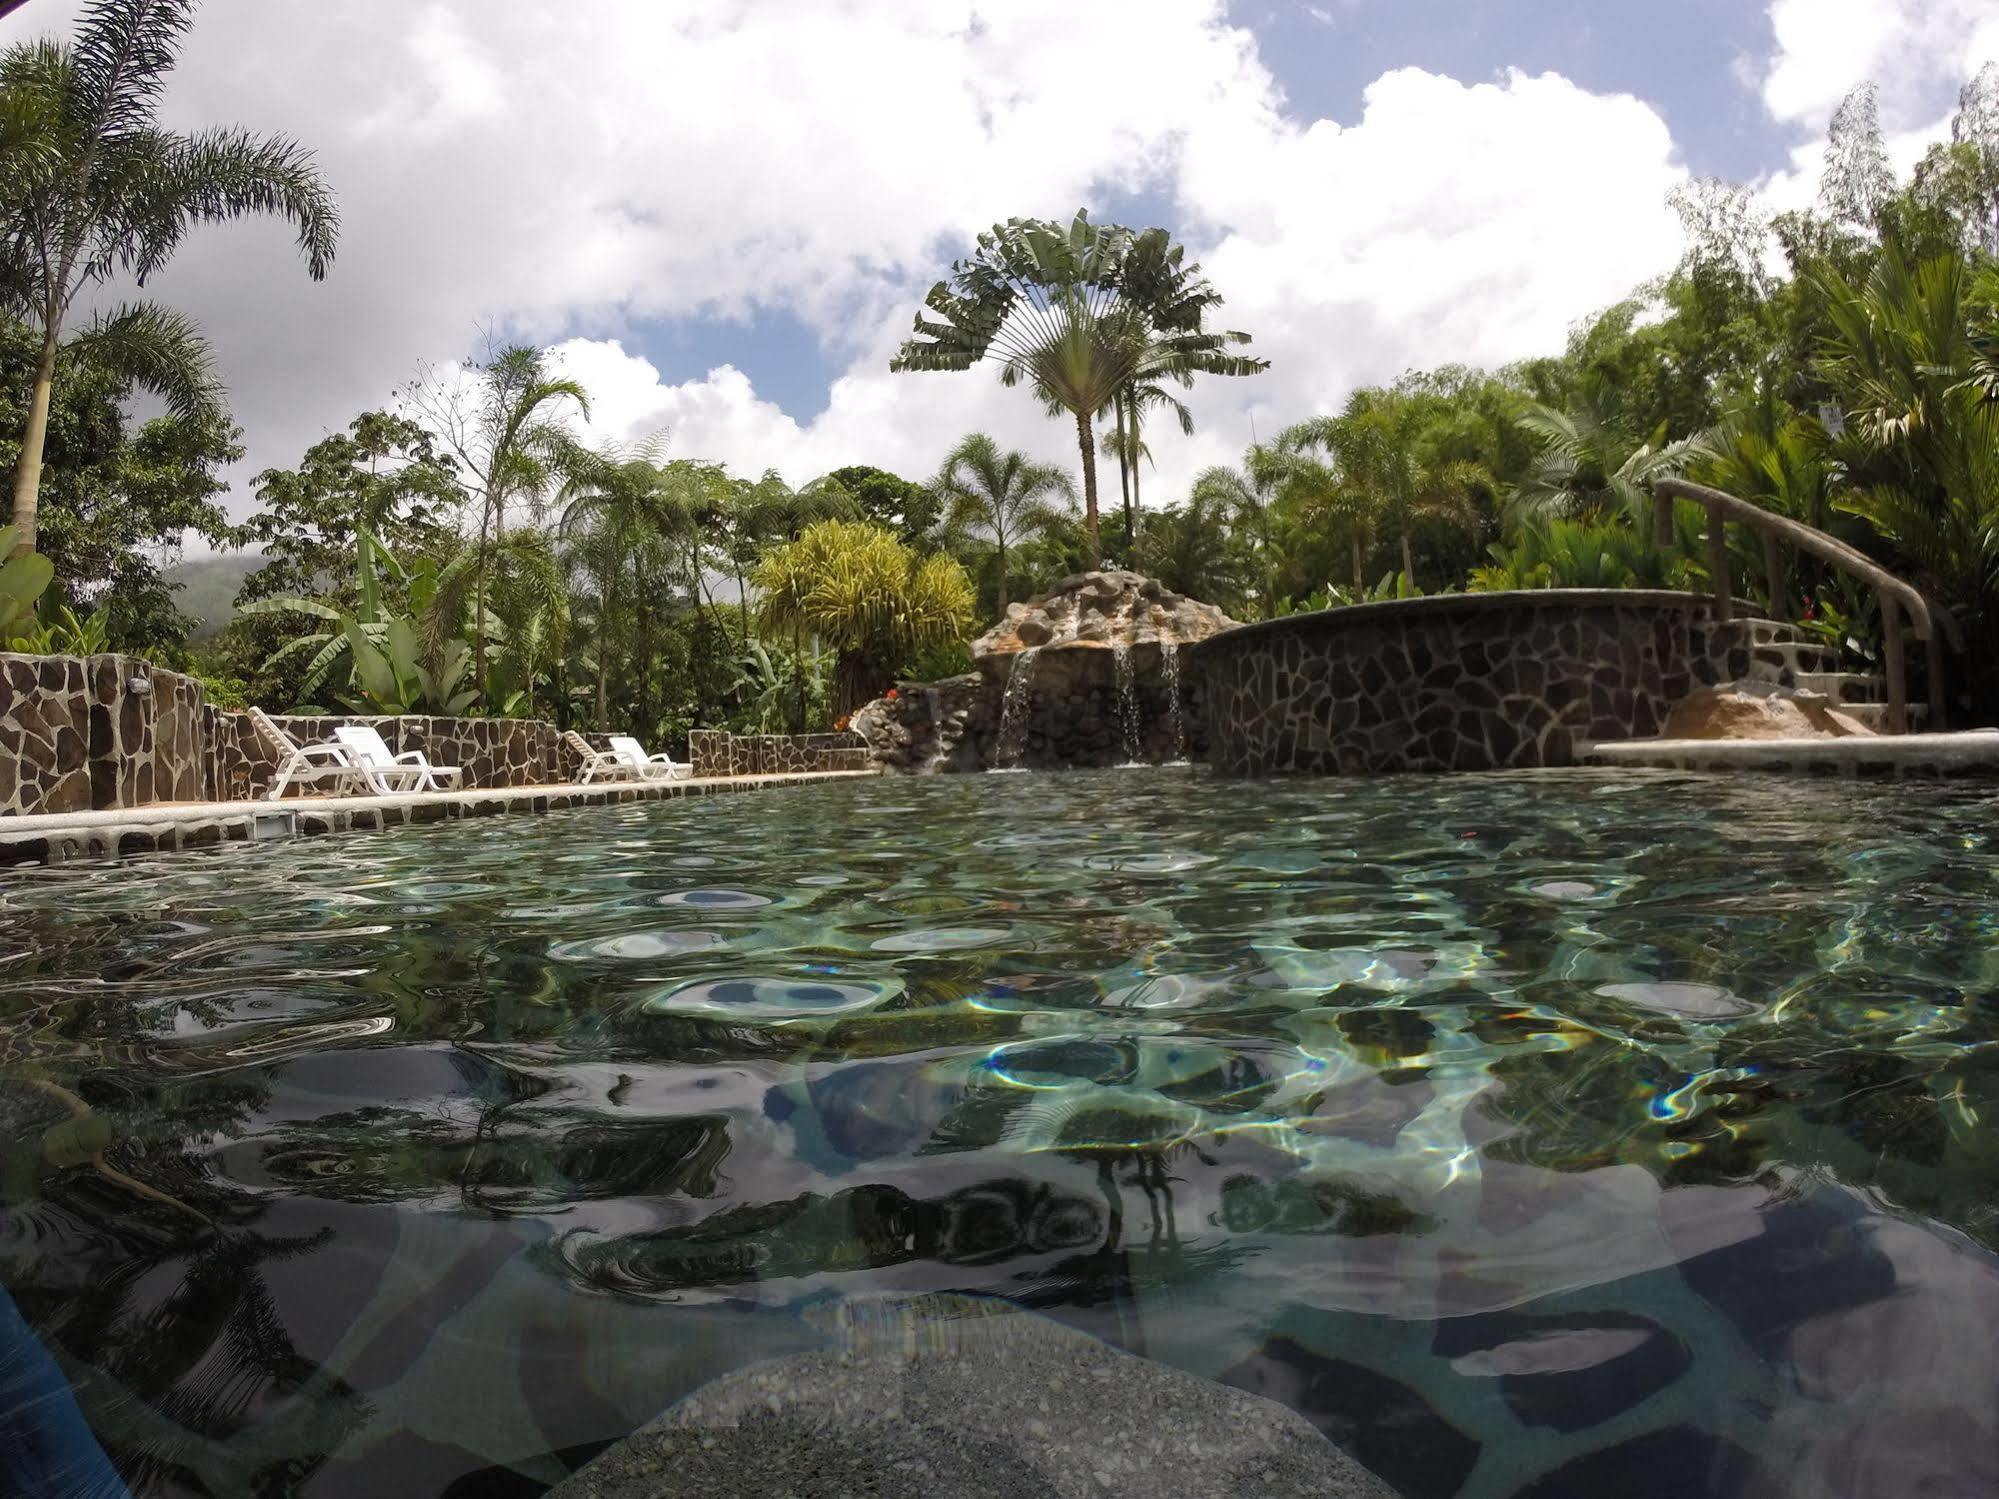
(999, 498)
(1560, 552)
(23, 581)
(117, 497)
(61, 631)
(96, 187)
(873, 600)
(881, 498)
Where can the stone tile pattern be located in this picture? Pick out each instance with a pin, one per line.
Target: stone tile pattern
(1460, 682)
(717, 752)
(338, 815)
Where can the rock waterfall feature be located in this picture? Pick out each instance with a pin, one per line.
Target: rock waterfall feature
(1087, 674)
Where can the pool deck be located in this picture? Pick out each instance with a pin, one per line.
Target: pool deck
(57, 837)
(1891, 754)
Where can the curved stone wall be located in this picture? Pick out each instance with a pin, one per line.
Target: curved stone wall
(1475, 681)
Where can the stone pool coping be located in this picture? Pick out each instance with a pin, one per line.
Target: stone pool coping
(1458, 603)
(58, 837)
(1894, 754)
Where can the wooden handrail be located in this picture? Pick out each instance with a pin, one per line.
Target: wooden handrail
(1928, 622)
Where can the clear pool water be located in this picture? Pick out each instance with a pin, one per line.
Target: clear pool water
(1551, 1134)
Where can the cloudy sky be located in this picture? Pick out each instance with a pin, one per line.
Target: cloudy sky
(724, 212)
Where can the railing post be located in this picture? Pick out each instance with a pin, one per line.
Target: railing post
(1717, 566)
(1896, 664)
(1933, 658)
(1776, 576)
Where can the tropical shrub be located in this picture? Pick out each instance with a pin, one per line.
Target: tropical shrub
(859, 590)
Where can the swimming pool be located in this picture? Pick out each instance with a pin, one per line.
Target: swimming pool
(1553, 1133)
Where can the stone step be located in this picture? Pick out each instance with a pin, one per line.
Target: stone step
(1845, 688)
(1760, 631)
(1875, 716)
(1797, 655)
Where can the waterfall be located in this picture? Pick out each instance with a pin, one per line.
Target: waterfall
(1013, 710)
(1127, 699)
(1176, 717)
(933, 701)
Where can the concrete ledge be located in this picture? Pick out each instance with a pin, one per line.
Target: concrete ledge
(1892, 754)
(57, 837)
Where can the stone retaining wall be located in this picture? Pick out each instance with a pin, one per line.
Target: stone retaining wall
(492, 752)
(717, 752)
(78, 733)
(82, 734)
(1475, 681)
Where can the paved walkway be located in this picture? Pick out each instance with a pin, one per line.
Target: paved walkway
(59, 836)
(1894, 754)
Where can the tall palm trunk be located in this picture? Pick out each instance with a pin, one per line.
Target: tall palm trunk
(1120, 411)
(1086, 440)
(28, 470)
(1354, 543)
(1000, 537)
(479, 600)
(1131, 516)
(604, 661)
(1408, 560)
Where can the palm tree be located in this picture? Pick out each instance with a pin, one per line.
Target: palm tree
(865, 594)
(1080, 315)
(751, 514)
(1912, 353)
(1589, 465)
(1126, 441)
(1246, 494)
(1377, 448)
(1315, 503)
(1003, 495)
(500, 427)
(609, 507)
(1193, 549)
(95, 186)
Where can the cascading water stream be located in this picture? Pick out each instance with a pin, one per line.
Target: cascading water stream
(1176, 717)
(1126, 671)
(934, 708)
(1013, 710)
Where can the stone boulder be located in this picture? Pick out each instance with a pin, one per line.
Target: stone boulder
(1758, 710)
(949, 1395)
(1101, 610)
(927, 727)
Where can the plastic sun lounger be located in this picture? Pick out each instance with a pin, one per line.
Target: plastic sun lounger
(327, 762)
(386, 772)
(599, 764)
(658, 767)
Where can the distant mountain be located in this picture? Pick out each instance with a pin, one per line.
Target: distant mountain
(207, 587)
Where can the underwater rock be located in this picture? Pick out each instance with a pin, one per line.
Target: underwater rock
(947, 1395)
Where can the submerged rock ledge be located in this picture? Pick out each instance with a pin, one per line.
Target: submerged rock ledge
(949, 1395)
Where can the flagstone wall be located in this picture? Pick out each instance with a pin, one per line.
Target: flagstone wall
(82, 734)
(716, 752)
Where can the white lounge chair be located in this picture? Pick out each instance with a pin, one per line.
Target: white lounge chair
(658, 767)
(327, 763)
(387, 772)
(599, 764)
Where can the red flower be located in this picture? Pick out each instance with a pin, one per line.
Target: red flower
(890, 694)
